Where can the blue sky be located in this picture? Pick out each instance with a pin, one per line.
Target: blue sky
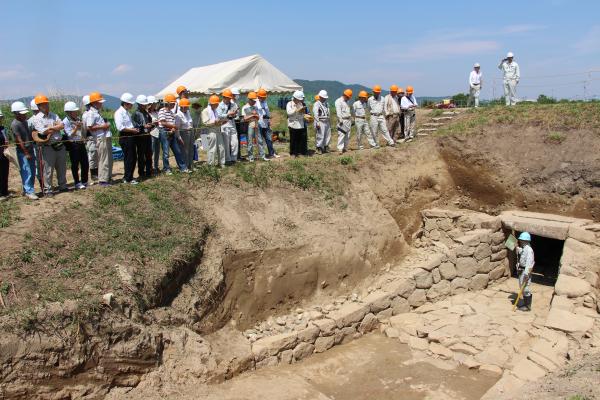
(73, 47)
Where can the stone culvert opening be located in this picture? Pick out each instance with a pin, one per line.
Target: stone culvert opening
(548, 252)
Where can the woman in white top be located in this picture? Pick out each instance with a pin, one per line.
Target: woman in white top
(296, 112)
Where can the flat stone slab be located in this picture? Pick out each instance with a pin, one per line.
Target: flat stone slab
(536, 226)
(571, 287)
(566, 321)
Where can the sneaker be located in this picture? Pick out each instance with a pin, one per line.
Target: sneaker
(32, 196)
(266, 159)
(392, 144)
(251, 160)
(276, 156)
(169, 173)
(133, 182)
(400, 140)
(361, 147)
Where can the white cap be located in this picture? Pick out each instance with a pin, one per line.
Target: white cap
(476, 65)
(298, 95)
(18, 107)
(71, 106)
(86, 100)
(323, 94)
(235, 91)
(509, 54)
(141, 99)
(127, 98)
(33, 106)
(151, 100)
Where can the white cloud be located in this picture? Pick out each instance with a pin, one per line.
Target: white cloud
(122, 69)
(522, 28)
(17, 72)
(436, 49)
(590, 42)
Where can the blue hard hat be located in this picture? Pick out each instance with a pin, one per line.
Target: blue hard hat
(525, 236)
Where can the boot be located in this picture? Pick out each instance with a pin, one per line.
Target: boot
(526, 304)
(529, 301)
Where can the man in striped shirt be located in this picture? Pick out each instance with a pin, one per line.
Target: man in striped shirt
(168, 135)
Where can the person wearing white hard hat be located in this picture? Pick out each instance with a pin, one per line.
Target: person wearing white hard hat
(143, 142)
(511, 75)
(344, 116)
(154, 133)
(25, 148)
(37, 149)
(296, 114)
(377, 121)
(127, 134)
(322, 122)
(4, 163)
(474, 85)
(48, 134)
(409, 105)
(77, 152)
(525, 264)
(90, 141)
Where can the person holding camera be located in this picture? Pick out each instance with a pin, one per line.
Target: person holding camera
(511, 74)
(250, 118)
(227, 111)
(77, 151)
(100, 129)
(296, 120)
(344, 117)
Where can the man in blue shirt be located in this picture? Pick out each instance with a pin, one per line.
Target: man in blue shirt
(264, 122)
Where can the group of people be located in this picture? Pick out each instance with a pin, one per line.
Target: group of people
(148, 127)
(511, 74)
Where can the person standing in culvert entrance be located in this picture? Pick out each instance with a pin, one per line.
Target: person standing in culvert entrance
(524, 269)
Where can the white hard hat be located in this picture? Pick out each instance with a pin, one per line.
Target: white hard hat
(323, 94)
(127, 98)
(1, 115)
(71, 106)
(476, 65)
(235, 91)
(151, 100)
(298, 95)
(18, 107)
(86, 100)
(33, 106)
(141, 99)
(509, 54)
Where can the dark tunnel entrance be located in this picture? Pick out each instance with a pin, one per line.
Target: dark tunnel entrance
(547, 253)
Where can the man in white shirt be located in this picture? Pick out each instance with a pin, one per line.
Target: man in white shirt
(360, 119)
(322, 122)
(296, 114)
(127, 133)
(409, 106)
(227, 111)
(525, 268)
(344, 116)
(90, 141)
(250, 117)
(391, 111)
(210, 119)
(101, 131)
(376, 104)
(474, 85)
(511, 74)
(185, 127)
(264, 122)
(77, 151)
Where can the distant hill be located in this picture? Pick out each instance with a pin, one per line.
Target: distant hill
(112, 102)
(334, 88)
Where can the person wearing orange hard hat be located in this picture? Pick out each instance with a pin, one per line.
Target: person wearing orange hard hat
(391, 111)
(169, 136)
(359, 107)
(214, 137)
(250, 117)
(182, 93)
(264, 122)
(185, 128)
(344, 116)
(228, 110)
(377, 121)
(409, 105)
(100, 129)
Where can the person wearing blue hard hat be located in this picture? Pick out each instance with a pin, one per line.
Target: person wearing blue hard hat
(525, 265)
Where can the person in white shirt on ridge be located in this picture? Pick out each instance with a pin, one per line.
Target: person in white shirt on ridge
(474, 85)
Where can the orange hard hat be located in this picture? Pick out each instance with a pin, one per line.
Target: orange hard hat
(184, 103)
(364, 94)
(227, 93)
(180, 89)
(170, 98)
(316, 97)
(96, 96)
(348, 92)
(252, 95)
(400, 90)
(214, 99)
(409, 89)
(376, 89)
(262, 93)
(393, 88)
(40, 99)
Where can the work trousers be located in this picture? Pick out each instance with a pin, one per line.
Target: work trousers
(363, 129)
(230, 140)
(105, 158)
(79, 159)
(143, 145)
(527, 290)
(252, 134)
(474, 95)
(410, 121)
(510, 92)
(54, 160)
(216, 148)
(187, 151)
(156, 145)
(323, 134)
(344, 128)
(402, 127)
(268, 138)
(27, 169)
(298, 142)
(127, 144)
(4, 165)
(392, 123)
(377, 123)
(239, 128)
(92, 154)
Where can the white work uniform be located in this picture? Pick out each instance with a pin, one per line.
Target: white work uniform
(526, 263)
(90, 142)
(377, 119)
(408, 104)
(54, 154)
(230, 134)
(322, 124)
(185, 127)
(103, 145)
(214, 138)
(474, 87)
(344, 126)
(362, 127)
(512, 75)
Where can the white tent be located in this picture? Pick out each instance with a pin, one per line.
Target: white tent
(247, 74)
